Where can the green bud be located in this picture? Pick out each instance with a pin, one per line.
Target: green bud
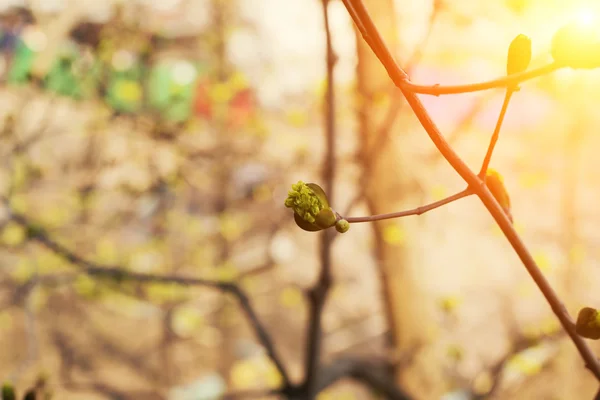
(342, 226)
(588, 323)
(303, 224)
(307, 200)
(320, 193)
(326, 218)
(8, 392)
(311, 207)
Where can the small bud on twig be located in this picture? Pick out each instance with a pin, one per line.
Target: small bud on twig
(495, 183)
(342, 226)
(519, 55)
(588, 323)
(311, 207)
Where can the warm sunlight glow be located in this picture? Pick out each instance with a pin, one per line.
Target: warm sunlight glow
(586, 17)
(544, 18)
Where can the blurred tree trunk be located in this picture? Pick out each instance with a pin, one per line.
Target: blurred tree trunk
(225, 318)
(388, 187)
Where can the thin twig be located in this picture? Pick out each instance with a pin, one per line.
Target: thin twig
(318, 294)
(496, 134)
(359, 12)
(415, 211)
(504, 82)
(400, 78)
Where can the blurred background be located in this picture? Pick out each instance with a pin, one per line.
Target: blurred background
(162, 136)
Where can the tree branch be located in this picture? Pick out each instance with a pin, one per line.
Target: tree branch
(400, 78)
(504, 82)
(496, 134)
(369, 31)
(120, 274)
(415, 211)
(372, 374)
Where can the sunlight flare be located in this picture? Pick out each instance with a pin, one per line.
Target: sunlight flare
(585, 17)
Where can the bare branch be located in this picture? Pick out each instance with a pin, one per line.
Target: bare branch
(373, 374)
(496, 134)
(120, 274)
(504, 82)
(415, 211)
(369, 31)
